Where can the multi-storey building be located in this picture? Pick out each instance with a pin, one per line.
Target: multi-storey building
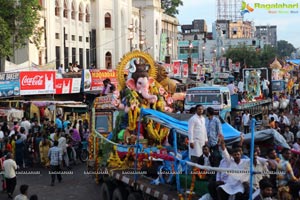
(267, 34)
(101, 32)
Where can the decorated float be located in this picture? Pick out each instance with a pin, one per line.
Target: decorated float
(282, 82)
(138, 147)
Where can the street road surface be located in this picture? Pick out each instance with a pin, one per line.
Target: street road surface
(76, 185)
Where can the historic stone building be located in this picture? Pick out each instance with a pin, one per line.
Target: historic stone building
(101, 32)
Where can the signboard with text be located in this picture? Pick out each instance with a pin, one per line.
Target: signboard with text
(37, 82)
(93, 78)
(9, 84)
(67, 85)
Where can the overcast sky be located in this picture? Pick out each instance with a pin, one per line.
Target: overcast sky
(288, 25)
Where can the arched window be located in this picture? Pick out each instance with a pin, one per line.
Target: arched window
(87, 15)
(80, 15)
(65, 9)
(73, 11)
(107, 20)
(56, 8)
(108, 60)
(156, 27)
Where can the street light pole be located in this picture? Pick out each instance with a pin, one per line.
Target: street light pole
(189, 59)
(203, 49)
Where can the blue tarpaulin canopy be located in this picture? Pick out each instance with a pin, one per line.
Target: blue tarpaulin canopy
(231, 135)
(295, 61)
(182, 126)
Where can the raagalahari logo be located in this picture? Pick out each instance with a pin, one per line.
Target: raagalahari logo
(272, 8)
(246, 8)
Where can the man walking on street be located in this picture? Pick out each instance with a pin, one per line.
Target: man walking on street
(10, 168)
(197, 134)
(55, 157)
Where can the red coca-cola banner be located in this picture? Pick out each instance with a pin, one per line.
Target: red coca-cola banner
(67, 85)
(37, 82)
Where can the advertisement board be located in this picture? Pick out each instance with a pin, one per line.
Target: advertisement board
(93, 78)
(67, 85)
(9, 84)
(37, 82)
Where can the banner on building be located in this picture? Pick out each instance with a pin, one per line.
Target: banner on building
(37, 82)
(67, 85)
(163, 46)
(185, 71)
(195, 68)
(93, 78)
(176, 68)
(9, 84)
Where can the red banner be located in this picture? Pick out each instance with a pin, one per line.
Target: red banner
(93, 78)
(185, 70)
(195, 68)
(67, 85)
(37, 82)
(176, 68)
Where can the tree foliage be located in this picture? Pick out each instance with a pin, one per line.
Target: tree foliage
(170, 6)
(284, 49)
(18, 22)
(250, 56)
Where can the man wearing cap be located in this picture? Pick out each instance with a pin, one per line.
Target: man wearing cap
(10, 168)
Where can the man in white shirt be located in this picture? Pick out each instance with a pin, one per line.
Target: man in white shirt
(197, 134)
(246, 122)
(284, 119)
(10, 168)
(232, 88)
(241, 86)
(234, 183)
(62, 144)
(273, 114)
(26, 124)
(265, 86)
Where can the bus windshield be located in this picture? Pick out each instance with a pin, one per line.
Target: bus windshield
(203, 99)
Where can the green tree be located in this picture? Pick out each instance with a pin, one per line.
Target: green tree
(243, 54)
(284, 49)
(18, 22)
(251, 57)
(266, 54)
(170, 6)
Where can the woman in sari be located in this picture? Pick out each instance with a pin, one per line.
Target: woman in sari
(44, 147)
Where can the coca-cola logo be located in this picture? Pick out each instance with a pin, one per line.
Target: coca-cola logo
(34, 81)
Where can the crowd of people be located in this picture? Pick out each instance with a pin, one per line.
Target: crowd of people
(50, 144)
(276, 170)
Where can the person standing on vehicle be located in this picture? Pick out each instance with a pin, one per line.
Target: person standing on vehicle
(10, 167)
(214, 129)
(246, 122)
(265, 86)
(197, 134)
